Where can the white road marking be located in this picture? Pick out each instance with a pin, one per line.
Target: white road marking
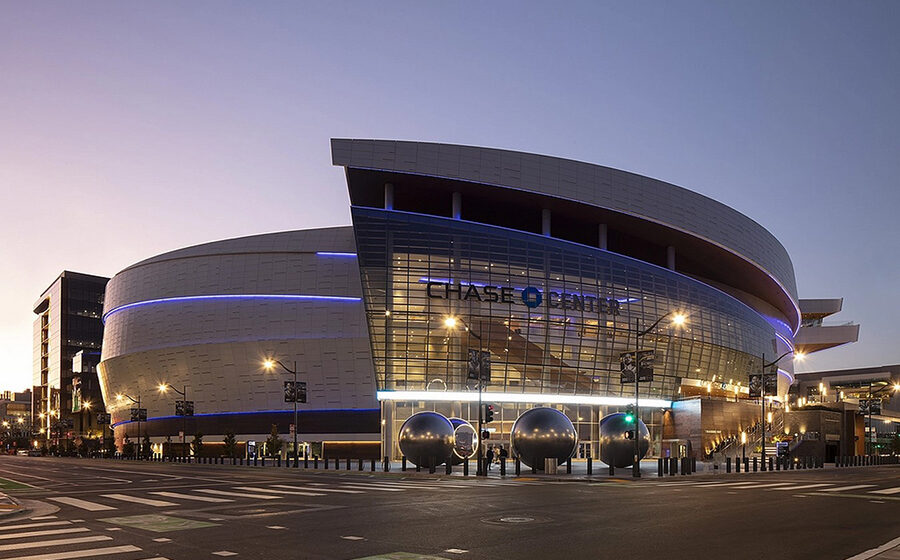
(275, 527)
(225, 553)
(353, 538)
(30, 525)
(723, 484)
(845, 488)
(456, 551)
(162, 539)
(114, 529)
(80, 553)
(767, 485)
(372, 487)
(190, 497)
(56, 542)
(277, 491)
(90, 506)
(317, 489)
(135, 499)
(44, 517)
(43, 533)
(803, 487)
(238, 494)
(886, 491)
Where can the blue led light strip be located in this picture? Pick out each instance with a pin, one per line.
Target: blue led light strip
(334, 254)
(251, 412)
(182, 299)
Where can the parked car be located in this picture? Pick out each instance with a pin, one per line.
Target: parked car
(23, 452)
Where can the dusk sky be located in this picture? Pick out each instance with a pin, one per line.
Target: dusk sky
(129, 129)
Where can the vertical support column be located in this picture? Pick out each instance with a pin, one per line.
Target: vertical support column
(457, 206)
(388, 196)
(603, 237)
(545, 222)
(670, 257)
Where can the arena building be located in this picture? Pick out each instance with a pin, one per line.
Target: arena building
(549, 266)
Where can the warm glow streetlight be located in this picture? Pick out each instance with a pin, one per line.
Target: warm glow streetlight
(450, 322)
(163, 387)
(269, 365)
(20, 420)
(119, 397)
(86, 405)
(679, 319)
(897, 387)
(799, 356)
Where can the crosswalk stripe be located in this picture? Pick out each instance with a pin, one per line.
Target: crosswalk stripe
(190, 497)
(408, 486)
(317, 489)
(803, 487)
(30, 525)
(135, 499)
(57, 542)
(767, 485)
(373, 487)
(278, 491)
(238, 494)
(43, 533)
(83, 504)
(845, 488)
(80, 553)
(721, 484)
(886, 491)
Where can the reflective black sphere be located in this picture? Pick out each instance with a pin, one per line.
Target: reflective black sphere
(426, 439)
(465, 440)
(615, 448)
(541, 433)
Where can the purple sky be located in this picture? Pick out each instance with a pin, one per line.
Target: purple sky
(128, 129)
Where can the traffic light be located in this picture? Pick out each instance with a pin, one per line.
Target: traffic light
(488, 413)
(629, 414)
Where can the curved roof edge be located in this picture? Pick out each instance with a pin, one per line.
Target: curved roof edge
(337, 238)
(585, 182)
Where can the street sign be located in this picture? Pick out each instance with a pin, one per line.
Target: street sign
(756, 384)
(644, 366)
(473, 369)
(138, 414)
(179, 408)
(188, 408)
(103, 418)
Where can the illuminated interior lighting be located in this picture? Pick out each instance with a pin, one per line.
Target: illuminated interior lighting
(466, 396)
(182, 299)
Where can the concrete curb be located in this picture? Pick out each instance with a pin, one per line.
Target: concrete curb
(9, 506)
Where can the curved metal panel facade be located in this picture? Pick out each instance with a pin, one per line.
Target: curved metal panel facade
(207, 316)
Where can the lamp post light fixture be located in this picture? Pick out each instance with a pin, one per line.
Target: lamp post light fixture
(799, 356)
(163, 388)
(269, 365)
(678, 320)
(451, 323)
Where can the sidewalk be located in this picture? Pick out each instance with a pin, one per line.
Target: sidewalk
(887, 551)
(8, 506)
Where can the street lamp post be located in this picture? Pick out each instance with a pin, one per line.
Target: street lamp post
(450, 323)
(121, 396)
(270, 365)
(678, 319)
(163, 387)
(762, 399)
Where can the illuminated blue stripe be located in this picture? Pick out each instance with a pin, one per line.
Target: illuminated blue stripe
(334, 254)
(250, 412)
(182, 299)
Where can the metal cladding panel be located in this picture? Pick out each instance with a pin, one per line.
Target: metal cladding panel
(583, 182)
(207, 316)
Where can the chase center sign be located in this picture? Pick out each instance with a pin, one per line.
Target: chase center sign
(530, 297)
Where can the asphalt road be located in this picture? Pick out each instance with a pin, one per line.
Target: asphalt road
(137, 511)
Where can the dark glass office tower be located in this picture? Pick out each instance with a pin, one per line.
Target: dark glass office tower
(68, 322)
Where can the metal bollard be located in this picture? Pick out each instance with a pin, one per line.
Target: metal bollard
(448, 467)
(693, 464)
(431, 467)
(755, 464)
(518, 467)
(502, 466)
(419, 466)
(737, 465)
(359, 466)
(278, 461)
(403, 463)
(264, 460)
(387, 463)
(590, 465)
(466, 467)
(373, 464)
(771, 464)
(254, 460)
(569, 466)
(673, 466)
(305, 461)
(612, 471)
(659, 466)
(348, 463)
